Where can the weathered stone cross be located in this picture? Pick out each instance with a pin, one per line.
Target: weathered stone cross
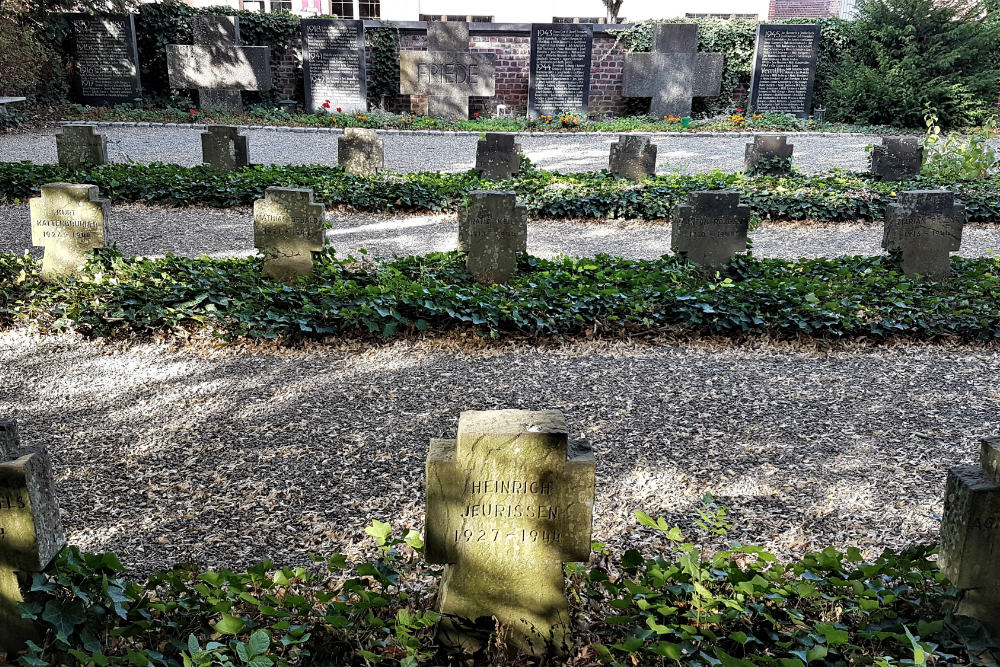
(30, 531)
(507, 503)
(926, 225)
(711, 227)
(492, 231)
(674, 71)
(287, 229)
(69, 220)
(447, 72)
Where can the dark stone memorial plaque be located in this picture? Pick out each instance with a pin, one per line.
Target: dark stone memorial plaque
(560, 67)
(105, 60)
(333, 64)
(784, 67)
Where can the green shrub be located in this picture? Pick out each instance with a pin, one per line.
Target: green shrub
(956, 157)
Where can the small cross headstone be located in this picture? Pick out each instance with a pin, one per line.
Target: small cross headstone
(69, 220)
(80, 146)
(224, 148)
(674, 71)
(970, 535)
(287, 229)
(447, 72)
(30, 530)
(897, 159)
(507, 503)
(359, 151)
(711, 227)
(217, 65)
(769, 154)
(497, 156)
(492, 230)
(632, 157)
(925, 225)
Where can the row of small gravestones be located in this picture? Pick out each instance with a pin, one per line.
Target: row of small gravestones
(507, 502)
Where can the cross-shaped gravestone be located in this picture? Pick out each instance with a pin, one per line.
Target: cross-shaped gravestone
(925, 225)
(287, 229)
(80, 146)
(492, 231)
(216, 65)
(69, 220)
(224, 148)
(447, 72)
(360, 151)
(497, 156)
(970, 535)
(674, 71)
(897, 159)
(632, 157)
(30, 531)
(711, 227)
(769, 154)
(488, 207)
(507, 503)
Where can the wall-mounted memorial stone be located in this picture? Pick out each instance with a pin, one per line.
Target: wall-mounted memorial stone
(447, 72)
(711, 227)
(492, 231)
(925, 226)
(674, 71)
(31, 534)
(80, 147)
(497, 156)
(970, 535)
(69, 220)
(487, 207)
(559, 78)
(769, 154)
(224, 148)
(288, 229)
(507, 503)
(784, 67)
(632, 157)
(104, 59)
(897, 159)
(216, 65)
(360, 151)
(333, 64)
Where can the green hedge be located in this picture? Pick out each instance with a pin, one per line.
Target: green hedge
(836, 197)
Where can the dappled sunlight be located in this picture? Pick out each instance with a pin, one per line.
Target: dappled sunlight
(392, 224)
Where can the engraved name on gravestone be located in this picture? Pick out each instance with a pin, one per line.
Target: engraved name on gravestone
(632, 157)
(970, 535)
(30, 531)
(926, 226)
(897, 159)
(447, 72)
(333, 64)
(488, 205)
(497, 156)
(507, 503)
(224, 148)
(80, 146)
(360, 151)
(104, 58)
(711, 227)
(287, 229)
(492, 230)
(69, 220)
(674, 71)
(768, 154)
(559, 78)
(784, 68)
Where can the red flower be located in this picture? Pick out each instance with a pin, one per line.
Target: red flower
(338, 109)
(739, 111)
(476, 114)
(326, 105)
(194, 111)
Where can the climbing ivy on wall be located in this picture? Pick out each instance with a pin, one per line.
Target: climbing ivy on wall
(383, 82)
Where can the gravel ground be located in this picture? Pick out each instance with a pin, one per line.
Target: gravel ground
(423, 152)
(220, 458)
(153, 231)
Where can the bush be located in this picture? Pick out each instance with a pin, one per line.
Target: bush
(29, 66)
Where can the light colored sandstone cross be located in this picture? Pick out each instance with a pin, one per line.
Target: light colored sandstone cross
(507, 503)
(447, 72)
(69, 220)
(674, 71)
(30, 531)
(287, 229)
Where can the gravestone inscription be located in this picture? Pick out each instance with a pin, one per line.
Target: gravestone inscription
(711, 227)
(897, 159)
(287, 229)
(80, 146)
(333, 64)
(784, 68)
(69, 220)
(492, 230)
(508, 502)
(632, 157)
(360, 151)
(559, 74)
(104, 59)
(224, 148)
(497, 156)
(769, 154)
(925, 226)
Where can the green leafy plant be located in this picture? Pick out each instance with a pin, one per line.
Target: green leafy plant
(958, 157)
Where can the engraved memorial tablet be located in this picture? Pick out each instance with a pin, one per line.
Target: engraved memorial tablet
(104, 58)
(333, 64)
(784, 67)
(559, 77)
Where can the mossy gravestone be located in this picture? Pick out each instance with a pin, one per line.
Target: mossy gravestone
(769, 154)
(970, 535)
(925, 226)
(30, 531)
(359, 151)
(492, 231)
(632, 157)
(711, 227)
(223, 148)
(497, 156)
(287, 229)
(80, 147)
(69, 220)
(897, 159)
(507, 503)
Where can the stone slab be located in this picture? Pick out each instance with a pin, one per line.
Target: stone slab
(219, 67)
(711, 227)
(784, 68)
(104, 59)
(559, 68)
(333, 64)
(925, 226)
(224, 148)
(632, 157)
(69, 220)
(288, 227)
(360, 151)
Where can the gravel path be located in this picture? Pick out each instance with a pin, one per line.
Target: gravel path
(447, 152)
(142, 230)
(166, 455)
